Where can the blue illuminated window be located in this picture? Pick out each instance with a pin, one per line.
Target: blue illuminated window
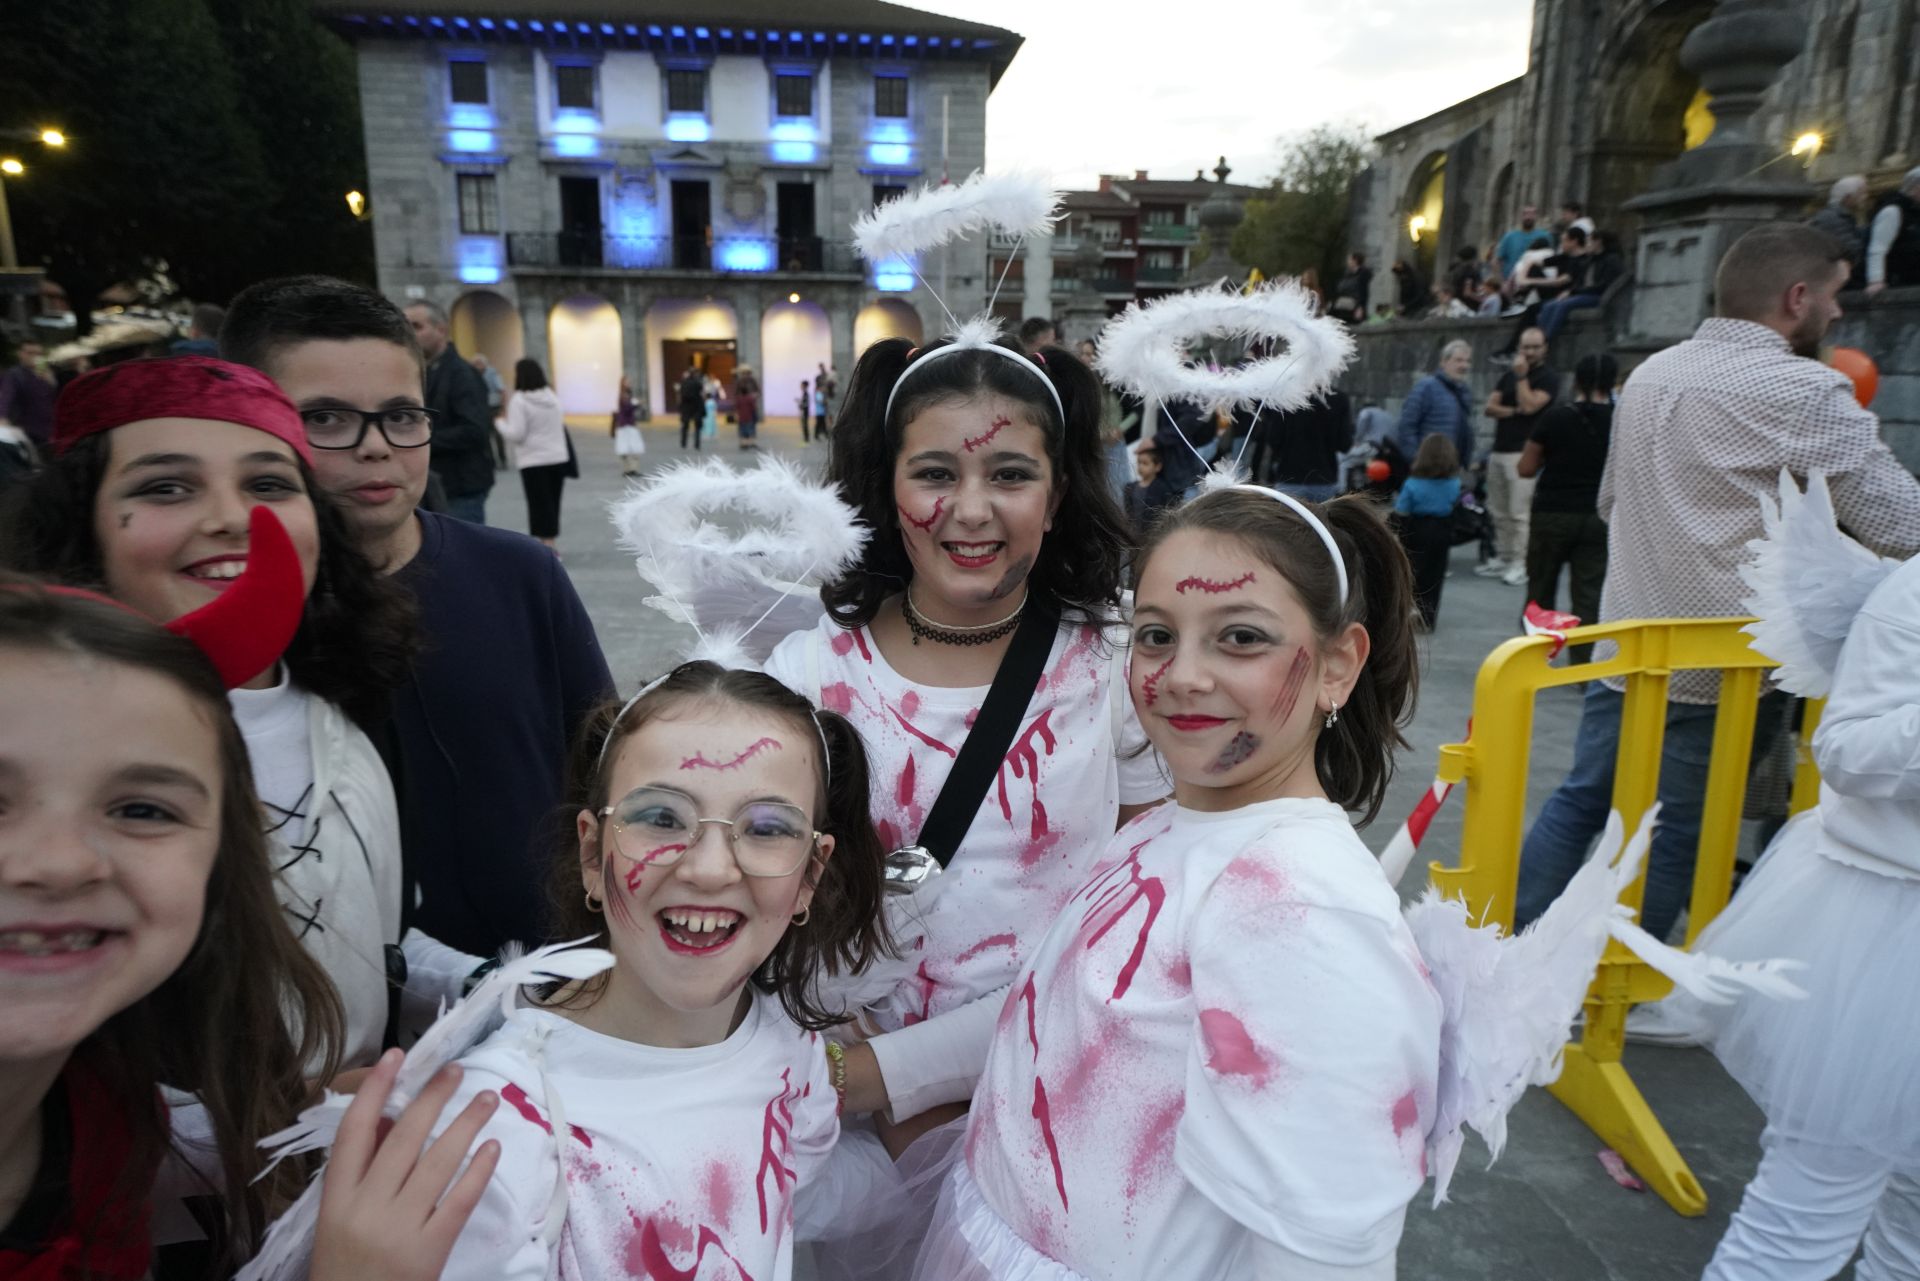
(745, 255)
(890, 96)
(467, 81)
(687, 89)
(889, 153)
(573, 87)
(686, 127)
(470, 140)
(792, 94)
(576, 146)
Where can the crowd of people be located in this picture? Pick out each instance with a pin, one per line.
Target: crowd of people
(291, 752)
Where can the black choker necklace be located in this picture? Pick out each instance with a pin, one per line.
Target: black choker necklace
(924, 628)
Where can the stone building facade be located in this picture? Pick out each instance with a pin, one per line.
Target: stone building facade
(627, 196)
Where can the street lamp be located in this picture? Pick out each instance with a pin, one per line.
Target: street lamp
(1416, 225)
(12, 167)
(53, 138)
(357, 204)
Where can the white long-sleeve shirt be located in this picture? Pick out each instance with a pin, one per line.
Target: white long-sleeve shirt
(1868, 743)
(1881, 234)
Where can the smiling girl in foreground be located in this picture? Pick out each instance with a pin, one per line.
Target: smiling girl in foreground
(659, 1116)
(1221, 1059)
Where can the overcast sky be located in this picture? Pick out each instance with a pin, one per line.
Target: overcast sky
(1110, 86)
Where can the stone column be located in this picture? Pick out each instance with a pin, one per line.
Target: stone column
(1703, 201)
(634, 301)
(1218, 217)
(534, 307)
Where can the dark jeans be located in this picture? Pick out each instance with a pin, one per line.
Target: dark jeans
(1553, 315)
(1577, 540)
(1577, 811)
(542, 485)
(1429, 541)
(471, 508)
(690, 420)
(805, 422)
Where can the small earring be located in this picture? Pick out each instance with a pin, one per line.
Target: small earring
(593, 904)
(806, 914)
(1333, 717)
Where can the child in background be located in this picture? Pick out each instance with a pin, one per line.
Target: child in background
(662, 1113)
(1150, 492)
(710, 410)
(1425, 507)
(820, 408)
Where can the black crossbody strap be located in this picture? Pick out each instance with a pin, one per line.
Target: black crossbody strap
(992, 732)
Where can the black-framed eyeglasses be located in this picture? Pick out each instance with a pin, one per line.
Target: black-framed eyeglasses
(402, 427)
(656, 826)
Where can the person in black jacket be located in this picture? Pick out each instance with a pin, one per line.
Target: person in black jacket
(693, 406)
(462, 428)
(1298, 452)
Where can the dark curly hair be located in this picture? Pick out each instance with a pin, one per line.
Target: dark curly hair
(359, 631)
(1083, 559)
(1354, 759)
(844, 931)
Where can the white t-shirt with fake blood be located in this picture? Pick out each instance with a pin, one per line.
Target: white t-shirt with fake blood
(1227, 1034)
(679, 1164)
(1075, 760)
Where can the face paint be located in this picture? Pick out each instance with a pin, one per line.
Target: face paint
(126, 518)
(1239, 749)
(930, 521)
(639, 868)
(1150, 687)
(1211, 586)
(972, 443)
(699, 760)
(1016, 575)
(1283, 702)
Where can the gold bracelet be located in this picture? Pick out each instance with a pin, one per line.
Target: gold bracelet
(837, 1059)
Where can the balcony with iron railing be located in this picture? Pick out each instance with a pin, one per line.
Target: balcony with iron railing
(681, 255)
(1160, 275)
(1166, 233)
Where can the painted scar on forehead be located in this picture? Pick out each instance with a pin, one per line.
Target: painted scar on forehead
(1150, 687)
(1212, 587)
(699, 760)
(1242, 746)
(930, 521)
(1283, 702)
(640, 865)
(999, 424)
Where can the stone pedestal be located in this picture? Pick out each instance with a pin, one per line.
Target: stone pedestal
(1683, 236)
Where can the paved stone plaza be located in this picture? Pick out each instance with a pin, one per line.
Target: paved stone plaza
(1546, 1211)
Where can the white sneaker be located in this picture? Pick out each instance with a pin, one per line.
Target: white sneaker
(1493, 568)
(1515, 575)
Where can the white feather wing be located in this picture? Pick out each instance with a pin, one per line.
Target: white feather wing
(287, 1251)
(1806, 582)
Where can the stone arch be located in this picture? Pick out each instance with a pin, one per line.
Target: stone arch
(1641, 98)
(1422, 214)
(483, 322)
(885, 318)
(706, 330)
(1501, 210)
(583, 337)
(795, 340)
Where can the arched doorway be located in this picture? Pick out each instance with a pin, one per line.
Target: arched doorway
(482, 321)
(1423, 212)
(885, 318)
(795, 341)
(682, 330)
(583, 335)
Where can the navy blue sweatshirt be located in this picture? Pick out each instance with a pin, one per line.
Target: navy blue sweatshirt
(509, 667)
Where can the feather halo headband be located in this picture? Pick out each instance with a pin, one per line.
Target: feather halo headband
(1144, 349)
(1019, 204)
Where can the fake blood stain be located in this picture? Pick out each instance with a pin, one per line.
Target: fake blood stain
(1231, 1050)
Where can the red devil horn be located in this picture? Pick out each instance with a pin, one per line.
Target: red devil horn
(246, 629)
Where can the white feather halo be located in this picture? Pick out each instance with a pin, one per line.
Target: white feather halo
(1019, 204)
(1144, 348)
(744, 583)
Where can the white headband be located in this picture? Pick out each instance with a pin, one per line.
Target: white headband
(1314, 523)
(975, 344)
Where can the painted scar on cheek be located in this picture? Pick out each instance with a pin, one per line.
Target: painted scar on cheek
(1242, 746)
(126, 518)
(645, 861)
(1212, 587)
(1283, 702)
(699, 760)
(994, 428)
(1016, 574)
(930, 521)
(1150, 687)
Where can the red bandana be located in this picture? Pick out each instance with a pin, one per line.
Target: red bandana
(178, 387)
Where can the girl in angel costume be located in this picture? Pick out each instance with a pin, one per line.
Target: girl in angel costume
(663, 1094)
(1837, 1075)
(1232, 1055)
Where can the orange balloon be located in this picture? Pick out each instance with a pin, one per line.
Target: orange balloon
(1859, 366)
(1377, 470)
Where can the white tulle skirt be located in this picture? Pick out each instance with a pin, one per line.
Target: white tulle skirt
(1842, 1066)
(866, 1214)
(968, 1241)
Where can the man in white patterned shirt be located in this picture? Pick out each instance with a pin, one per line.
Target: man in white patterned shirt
(1701, 433)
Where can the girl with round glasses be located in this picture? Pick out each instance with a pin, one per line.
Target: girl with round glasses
(660, 1115)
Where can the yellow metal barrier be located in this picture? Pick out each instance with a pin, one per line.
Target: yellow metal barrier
(1493, 765)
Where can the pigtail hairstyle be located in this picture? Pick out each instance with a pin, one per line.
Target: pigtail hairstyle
(358, 631)
(844, 931)
(1354, 758)
(218, 1026)
(1082, 561)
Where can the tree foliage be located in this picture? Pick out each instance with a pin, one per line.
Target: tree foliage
(1301, 221)
(218, 136)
